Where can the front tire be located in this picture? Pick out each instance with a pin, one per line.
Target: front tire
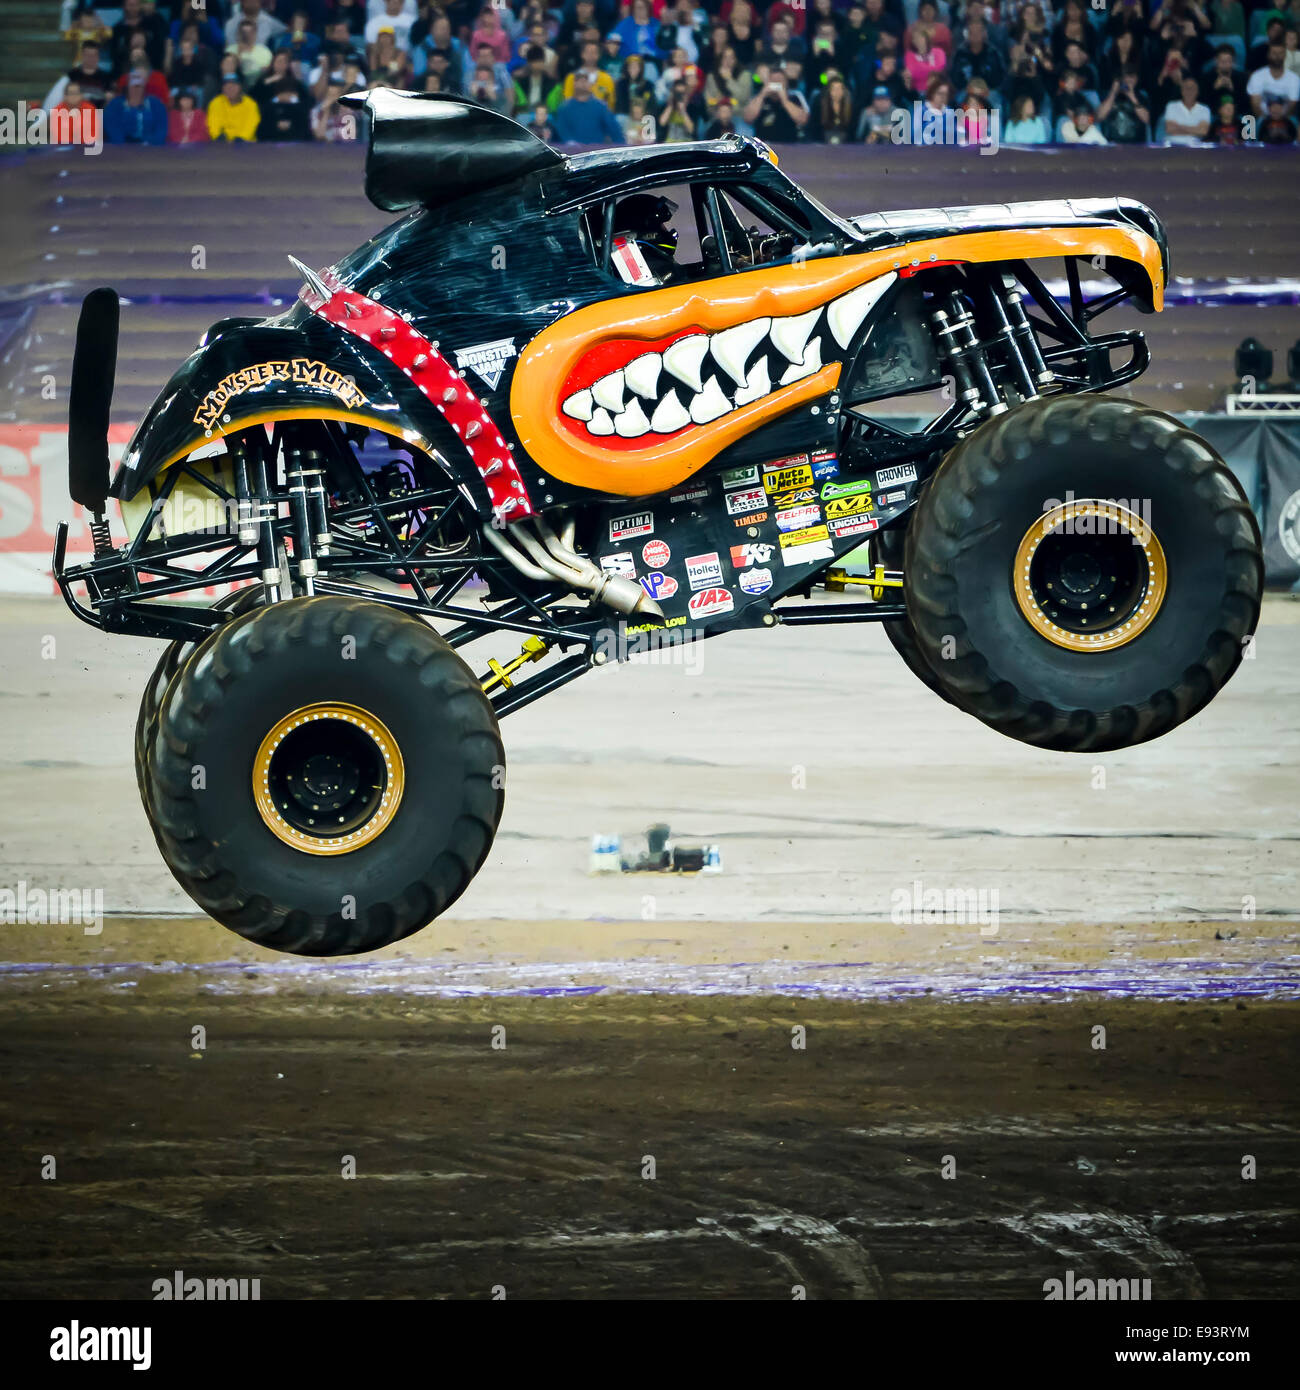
(325, 776)
(1083, 573)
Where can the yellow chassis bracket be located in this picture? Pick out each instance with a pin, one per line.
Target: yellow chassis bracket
(533, 650)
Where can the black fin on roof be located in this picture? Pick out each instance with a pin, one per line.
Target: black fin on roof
(427, 146)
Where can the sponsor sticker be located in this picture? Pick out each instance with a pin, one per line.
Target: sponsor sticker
(711, 601)
(740, 477)
(849, 506)
(621, 562)
(656, 627)
(697, 493)
(793, 499)
(704, 571)
(887, 499)
(798, 518)
(788, 479)
(845, 489)
(752, 553)
(487, 359)
(659, 585)
(824, 464)
(903, 473)
(656, 554)
(742, 503)
(854, 525)
(756, 581)
(622, 528)
(753, 519)
(810, 552)
(810, 535)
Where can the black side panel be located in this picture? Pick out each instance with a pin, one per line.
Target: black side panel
(429, 148)
(94, 368)
(898, 356)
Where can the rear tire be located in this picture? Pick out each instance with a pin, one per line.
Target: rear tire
(326, 775)
(1050, 627)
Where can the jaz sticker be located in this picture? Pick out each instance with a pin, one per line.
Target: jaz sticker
(710, 601)
(788, 479)
(742, 503)
(756, 581)
(798, 518)
(903, 473)
(622, 528)
(754, 553)
(659, 585)
(704, 571)
(740, 477)
(656, 554)
(622, 562)
(487, 360)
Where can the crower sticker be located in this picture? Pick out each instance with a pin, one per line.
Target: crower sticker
(302, 371)
(903, 473)
(632, 393)
(488, 360)
(710, 601)
(621, 528)
(704, 571)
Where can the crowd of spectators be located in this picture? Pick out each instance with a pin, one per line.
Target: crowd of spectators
(601, 72)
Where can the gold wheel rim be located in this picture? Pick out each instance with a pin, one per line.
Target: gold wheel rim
(1139, 617)
(390, 797)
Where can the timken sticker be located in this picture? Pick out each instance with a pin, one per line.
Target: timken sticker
(303, 371)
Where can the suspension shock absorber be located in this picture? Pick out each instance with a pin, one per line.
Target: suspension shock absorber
(246, 516)
(1011, 350)
(317, 502)
(955, 328)
(265, 510)
(1024, 332)
(300, 510)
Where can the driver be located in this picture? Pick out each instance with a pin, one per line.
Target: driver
(645, 221)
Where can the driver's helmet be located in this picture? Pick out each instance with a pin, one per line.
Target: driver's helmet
(647, 219)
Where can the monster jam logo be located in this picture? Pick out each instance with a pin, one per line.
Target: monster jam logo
(300, 370)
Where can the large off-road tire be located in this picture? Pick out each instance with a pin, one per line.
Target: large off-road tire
(1068, 623)
(901, 633)
(325, 775)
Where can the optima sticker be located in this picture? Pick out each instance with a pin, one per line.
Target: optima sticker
(302, 371)
(622, 528)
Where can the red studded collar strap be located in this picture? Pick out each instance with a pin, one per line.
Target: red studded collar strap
(420, 361)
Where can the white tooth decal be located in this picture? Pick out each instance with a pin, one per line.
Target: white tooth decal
(578, 406)
(632, 421)
(642, 374)
(710, 403)
(791, 335)
(600, 423)
(812, 362)
(757, 384)
(684, 358)
(731, 347)
(669, 415)
(608, 391)
(845, 314)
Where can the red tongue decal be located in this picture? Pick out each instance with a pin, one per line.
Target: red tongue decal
(610, 356)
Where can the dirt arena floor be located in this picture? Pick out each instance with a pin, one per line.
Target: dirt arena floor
(746, 1085)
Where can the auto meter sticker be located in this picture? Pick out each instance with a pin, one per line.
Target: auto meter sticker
(845, 489)
(887, 499)
(793, 499)
(849, 506)
(704, 571)
(740, 477)
(623, 528)
(621, 562)
(788, 479)
(656, 554)
(798, 518)
(659, 585)
(710, 601)
(903, 473)
(742, 503)
(756, 581)
(853, 525)
(750, 519)
(697, 493)
(754, 553)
